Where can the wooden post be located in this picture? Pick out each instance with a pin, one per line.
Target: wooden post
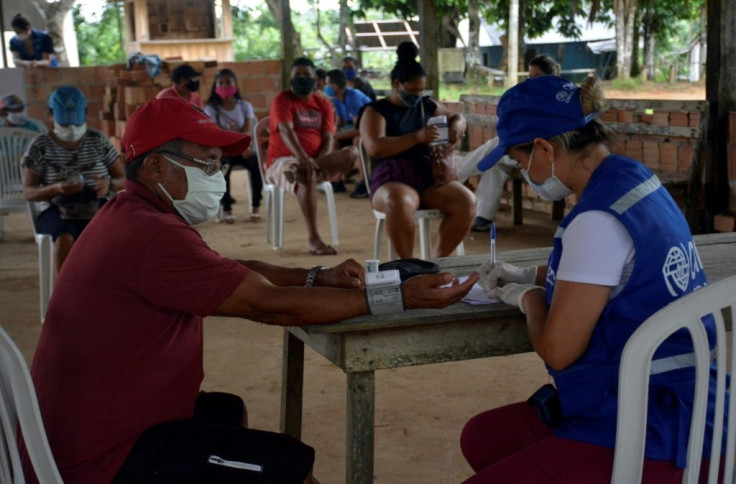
(428, 43)
(361, 401)
(512, 66)
(287, 43)
(292, 385)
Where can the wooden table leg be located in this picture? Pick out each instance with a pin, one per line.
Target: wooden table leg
(360, 414)
(516, 200)
(292, 386)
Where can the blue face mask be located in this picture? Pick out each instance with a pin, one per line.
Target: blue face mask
(552, 189)
(410, 100)
(350, 74)
(330, 91)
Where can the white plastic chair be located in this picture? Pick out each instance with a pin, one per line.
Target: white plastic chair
(636, 363)
(13, 143)
(46, 270)
(422, 216)
(19, 408)
(274, 195)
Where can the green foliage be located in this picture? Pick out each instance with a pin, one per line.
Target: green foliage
(99, 38)
(630, 84)
(255, 33)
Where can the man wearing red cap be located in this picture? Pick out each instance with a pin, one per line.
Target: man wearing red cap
(119, 363)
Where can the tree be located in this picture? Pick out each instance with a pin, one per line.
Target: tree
(100, 39)
(54, 13)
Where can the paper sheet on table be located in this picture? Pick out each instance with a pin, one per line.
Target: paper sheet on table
(477, 295)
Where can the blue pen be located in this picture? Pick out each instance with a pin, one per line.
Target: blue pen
(493, 243)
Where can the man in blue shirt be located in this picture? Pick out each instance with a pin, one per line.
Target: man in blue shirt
(348, 104)
(31, 47)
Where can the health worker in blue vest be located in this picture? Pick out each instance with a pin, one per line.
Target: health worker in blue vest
(622, 252)
(31, 47)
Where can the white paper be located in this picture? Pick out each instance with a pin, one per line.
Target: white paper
(477, 295)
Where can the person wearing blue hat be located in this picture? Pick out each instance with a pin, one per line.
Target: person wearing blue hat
(69, 171)
(616, 260)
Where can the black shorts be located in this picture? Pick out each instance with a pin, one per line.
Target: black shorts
(212, 448)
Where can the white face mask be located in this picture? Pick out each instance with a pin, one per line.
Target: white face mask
(21, 37)
(71, 133)
(203, 194)
(552, 189)
(17, 118)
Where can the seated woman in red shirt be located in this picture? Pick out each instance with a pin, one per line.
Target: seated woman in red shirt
(406, 175)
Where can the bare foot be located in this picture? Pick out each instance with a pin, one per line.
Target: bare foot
(322, 249)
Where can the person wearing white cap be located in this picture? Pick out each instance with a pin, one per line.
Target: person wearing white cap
(119, 363)
(70, 171)
(618, 257)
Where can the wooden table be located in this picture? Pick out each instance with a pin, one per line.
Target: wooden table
(360, 346)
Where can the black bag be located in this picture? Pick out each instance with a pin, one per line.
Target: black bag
(409, 268)
(547, 402)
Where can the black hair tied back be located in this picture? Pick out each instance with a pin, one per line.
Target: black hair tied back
(407, 68)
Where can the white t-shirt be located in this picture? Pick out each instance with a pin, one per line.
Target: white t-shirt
(233, 120)
(597, 250)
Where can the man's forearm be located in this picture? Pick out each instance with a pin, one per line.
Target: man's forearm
(278, 276)
(291, 141)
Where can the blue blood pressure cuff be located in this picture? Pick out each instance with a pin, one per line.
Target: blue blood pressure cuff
(384, 292)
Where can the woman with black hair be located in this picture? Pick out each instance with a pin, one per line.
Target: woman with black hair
(409, 173)
(231, 112)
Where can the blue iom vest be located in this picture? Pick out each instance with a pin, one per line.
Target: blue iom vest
(666, 267)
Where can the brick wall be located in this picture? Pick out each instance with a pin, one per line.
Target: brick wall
(661, 134)
(113, 92)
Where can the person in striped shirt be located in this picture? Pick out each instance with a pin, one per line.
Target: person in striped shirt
(70, 171)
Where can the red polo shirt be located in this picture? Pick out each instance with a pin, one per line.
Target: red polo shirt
(121, 346)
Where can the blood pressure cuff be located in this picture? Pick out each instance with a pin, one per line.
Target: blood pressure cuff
(409, 268)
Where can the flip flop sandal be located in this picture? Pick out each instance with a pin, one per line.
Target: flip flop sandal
(229, 219)
(255, 217)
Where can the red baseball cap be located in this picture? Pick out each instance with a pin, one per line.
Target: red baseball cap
(161, 120)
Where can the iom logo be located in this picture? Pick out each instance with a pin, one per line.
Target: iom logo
(680, 266)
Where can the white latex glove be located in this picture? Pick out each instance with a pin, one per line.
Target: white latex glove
(501, 273)
(513, 293)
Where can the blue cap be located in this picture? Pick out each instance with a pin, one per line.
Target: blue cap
(68, 105)
(539, 107)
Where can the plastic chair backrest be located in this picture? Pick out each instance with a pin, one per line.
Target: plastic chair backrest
(636, 362)
(19, 408)
(13, 144)
(366, 165)
(260, 143)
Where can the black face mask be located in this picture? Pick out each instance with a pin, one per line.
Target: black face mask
(409, 100)
(193, 86)
(302, 86)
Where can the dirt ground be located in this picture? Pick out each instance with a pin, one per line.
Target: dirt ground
(420, 410)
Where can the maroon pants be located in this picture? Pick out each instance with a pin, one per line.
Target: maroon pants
(512, 445)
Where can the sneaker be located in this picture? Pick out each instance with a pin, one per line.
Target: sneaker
(339, 187)
(361, 191)
(481, 224)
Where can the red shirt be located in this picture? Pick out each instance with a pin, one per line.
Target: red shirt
(310, 119)
(171, 91)
(121, 346)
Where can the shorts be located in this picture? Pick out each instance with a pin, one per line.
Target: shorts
(50, 222)
(415, 173)
(275, 173)
(185, 451)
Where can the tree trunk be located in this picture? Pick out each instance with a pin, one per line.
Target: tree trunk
(512, 76)
(625, 19)
(449, 32)
(635, 66)
(521, 34)
(345, 24)
(55, 13)
(472, 51)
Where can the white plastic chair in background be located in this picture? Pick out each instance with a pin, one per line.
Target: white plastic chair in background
(636, 362)
(274, 195)
(19, 409)
(422, 216)
(46, 269)
(13, 143)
